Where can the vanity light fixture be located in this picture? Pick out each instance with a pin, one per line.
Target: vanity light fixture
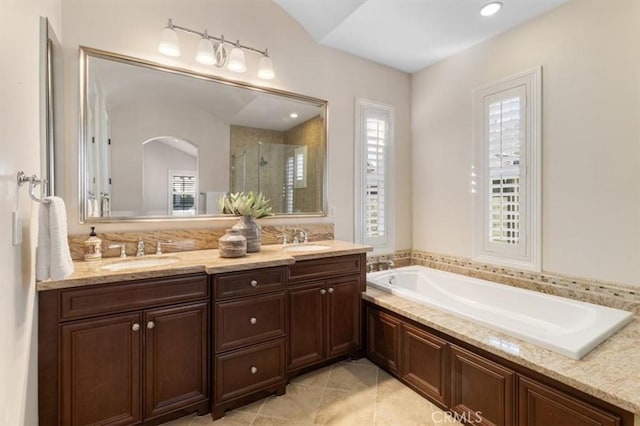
(293, 115)
(215, 54)
(491, 9)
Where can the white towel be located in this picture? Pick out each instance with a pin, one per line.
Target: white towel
(53, 258)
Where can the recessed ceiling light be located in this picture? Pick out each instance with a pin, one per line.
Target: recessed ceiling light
(490, 9)
(293, 115)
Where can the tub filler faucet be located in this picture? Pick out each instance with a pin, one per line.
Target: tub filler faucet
(389, 265)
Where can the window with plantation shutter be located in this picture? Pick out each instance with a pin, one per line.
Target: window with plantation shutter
(183, 200)
(288, 185)
(373, 174)
(506, 172)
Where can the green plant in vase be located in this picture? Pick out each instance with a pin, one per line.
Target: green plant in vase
(249, 206)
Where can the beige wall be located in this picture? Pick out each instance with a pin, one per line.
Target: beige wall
(302, 66)
(19, 150)
(588, 50)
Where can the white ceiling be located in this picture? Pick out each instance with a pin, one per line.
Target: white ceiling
(408, 35)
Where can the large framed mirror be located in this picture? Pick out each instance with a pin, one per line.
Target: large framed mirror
(162, 143)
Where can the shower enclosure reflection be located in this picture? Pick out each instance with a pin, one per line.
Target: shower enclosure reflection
(283, 164)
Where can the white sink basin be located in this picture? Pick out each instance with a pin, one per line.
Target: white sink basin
(139, 263)
(307, 247)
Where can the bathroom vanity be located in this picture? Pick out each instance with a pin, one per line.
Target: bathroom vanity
(201, 334)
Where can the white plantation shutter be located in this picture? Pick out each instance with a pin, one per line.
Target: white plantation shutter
(507, 208)
(183, 193)
(288, 186)
(376, 138)
(374, 141)
(505, 133)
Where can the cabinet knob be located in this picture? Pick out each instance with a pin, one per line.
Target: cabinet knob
(330, 289)
(151, 324)
(323, 291)
(253, 369)
(253, 320)
(254, 283)
(135, 326)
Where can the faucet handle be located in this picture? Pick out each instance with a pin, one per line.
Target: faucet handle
(140, 251)
(122, 247)
(159, 245)
(285, 242)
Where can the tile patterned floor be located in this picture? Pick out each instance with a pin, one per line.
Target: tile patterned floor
(347, 393)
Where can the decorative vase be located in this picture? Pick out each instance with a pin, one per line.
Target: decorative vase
(232, 244)
(251, 231)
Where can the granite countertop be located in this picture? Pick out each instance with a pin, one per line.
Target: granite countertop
(609, 372)
(188, 262)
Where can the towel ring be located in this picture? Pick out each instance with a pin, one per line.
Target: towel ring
(33, 181)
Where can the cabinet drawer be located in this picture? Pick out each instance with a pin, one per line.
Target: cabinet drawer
(247, 283)
(111, 298)
(245, 321)
(328, 267)
(249, 370)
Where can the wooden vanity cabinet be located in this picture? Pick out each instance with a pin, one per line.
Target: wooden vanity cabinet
(324, 300)
(139, 355)
(476, 387)
(250, 326)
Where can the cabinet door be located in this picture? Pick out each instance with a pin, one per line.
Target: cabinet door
(101, 371)
(425, 363)
(306, 324)
(481, 390)
(383, 339)
(540, 405)
(176, 357)
(343, 320)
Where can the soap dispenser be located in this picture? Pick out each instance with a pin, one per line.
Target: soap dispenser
(93, 246)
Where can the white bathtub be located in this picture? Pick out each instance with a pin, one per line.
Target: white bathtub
(565, 326)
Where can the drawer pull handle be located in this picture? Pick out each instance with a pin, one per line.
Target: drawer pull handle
(254, 283)
(253, 320)
(150, 325)
(253, 369)
(323, 291)
(330, 289)
(135, 326)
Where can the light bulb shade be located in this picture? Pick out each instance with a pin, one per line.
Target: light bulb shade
(205, 53)
(265, 68)
(169, 43)
(236, 60)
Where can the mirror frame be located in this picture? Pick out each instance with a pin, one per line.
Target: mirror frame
(51, 110)
(89, 52)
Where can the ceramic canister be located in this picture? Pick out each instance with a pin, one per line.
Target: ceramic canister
(232, 244)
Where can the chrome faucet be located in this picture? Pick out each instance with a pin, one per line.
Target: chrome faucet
(304, 237)
(122, 247)
(159, 246)
(140, 251)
